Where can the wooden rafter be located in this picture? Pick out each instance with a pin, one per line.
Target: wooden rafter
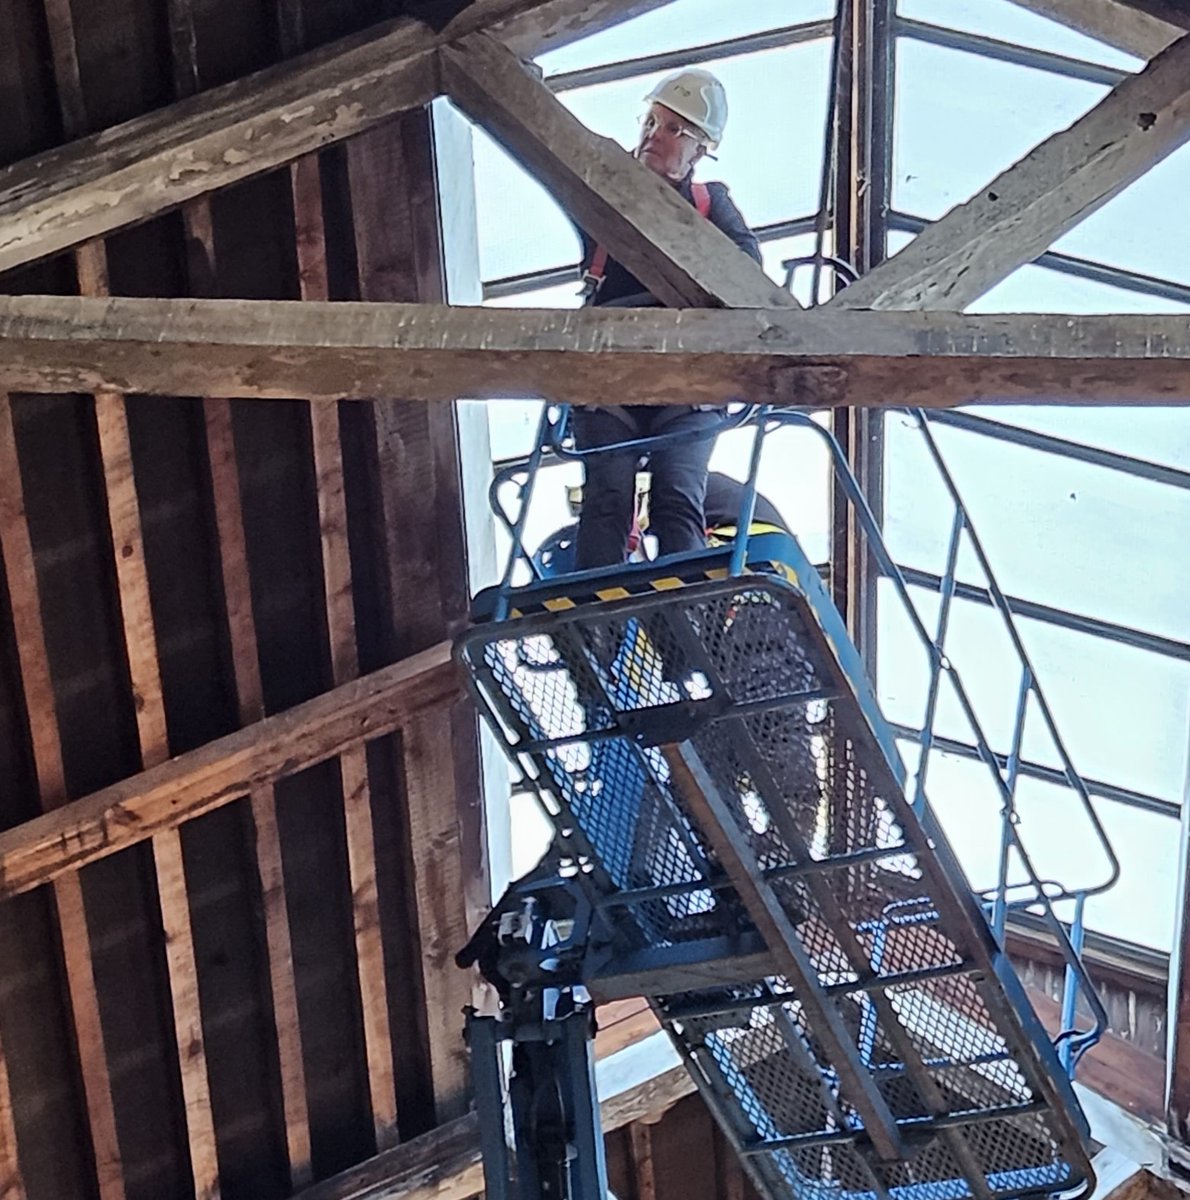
(203, 269)
(265, 349)
(140, 642)
(156, 162)
(642, 221)
(644, 1169)
(1115, 22)
(167, 795)
(338, 590)
(115, 452)
(1020, 214)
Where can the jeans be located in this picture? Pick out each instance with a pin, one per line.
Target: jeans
(609, 490)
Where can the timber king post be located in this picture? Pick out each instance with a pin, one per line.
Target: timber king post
(738, 839)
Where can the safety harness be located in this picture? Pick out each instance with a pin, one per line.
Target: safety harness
(593, 275)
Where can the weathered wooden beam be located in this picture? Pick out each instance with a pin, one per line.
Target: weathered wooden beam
(1115, 22)
(1142, 1185)
(392, 174)
(153, 163)
(263, 349)
(1020, 214)
(166, 796)
(1120, 1071)
(558, 22)
(643, 1165)
(682, 258)
(16, 553)
(140, 644)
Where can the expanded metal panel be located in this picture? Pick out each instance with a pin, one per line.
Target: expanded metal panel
(890, 1017)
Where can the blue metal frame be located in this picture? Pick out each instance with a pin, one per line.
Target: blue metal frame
(779, 1160)
(1033, 893)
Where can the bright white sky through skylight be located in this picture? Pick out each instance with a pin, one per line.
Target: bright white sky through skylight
(1062, 533)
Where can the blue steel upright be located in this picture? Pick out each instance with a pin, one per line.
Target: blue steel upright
(722, 782)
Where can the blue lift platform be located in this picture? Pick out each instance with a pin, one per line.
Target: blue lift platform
(739, 841)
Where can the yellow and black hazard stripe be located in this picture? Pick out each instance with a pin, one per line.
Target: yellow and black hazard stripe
(636, 585)
(639, 585)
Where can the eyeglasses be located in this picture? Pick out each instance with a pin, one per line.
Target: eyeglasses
(650, 123)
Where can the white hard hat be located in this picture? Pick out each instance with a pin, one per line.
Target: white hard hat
(697, 96)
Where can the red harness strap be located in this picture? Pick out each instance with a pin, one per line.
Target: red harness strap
(593, 275)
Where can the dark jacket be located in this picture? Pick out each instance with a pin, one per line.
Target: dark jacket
(622, 289)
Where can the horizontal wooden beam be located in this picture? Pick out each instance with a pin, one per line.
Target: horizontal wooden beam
(1021, 213)
(134, 171)
(185, 787)
(1120, 1071)
(320, 351)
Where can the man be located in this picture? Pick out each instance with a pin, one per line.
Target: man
(684, 122)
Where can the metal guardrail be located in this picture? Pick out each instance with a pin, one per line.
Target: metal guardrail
(1032, 893)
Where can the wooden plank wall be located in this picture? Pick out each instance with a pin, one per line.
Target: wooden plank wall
(264, 996)
(682, 1156)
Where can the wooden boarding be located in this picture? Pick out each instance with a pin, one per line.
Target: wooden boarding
(158, 161)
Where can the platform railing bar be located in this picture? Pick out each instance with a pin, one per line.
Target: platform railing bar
(920, 1127)
(1044, 774)
(890, 569)
(836, 862)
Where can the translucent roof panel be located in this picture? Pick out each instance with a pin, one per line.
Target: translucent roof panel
(1158, 435)
(1139, 230)
(1035, 510)
(1015, 24)
(521, 226)
(682, 25)
(1138, 908)
(1084, 539)
(962, 119)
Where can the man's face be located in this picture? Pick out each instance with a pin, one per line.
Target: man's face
(668, 146)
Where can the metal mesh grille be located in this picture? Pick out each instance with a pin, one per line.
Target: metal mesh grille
(742, 673)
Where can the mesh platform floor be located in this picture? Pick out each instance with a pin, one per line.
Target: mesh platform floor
(891, 1053)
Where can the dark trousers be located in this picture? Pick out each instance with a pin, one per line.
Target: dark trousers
(609, 490)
